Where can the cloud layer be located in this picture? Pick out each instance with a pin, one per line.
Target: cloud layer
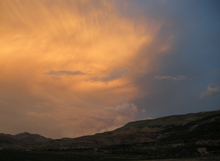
(64, 72)
(81, 45)
(65, 65)
(172, 78)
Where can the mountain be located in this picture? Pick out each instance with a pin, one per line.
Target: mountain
(27, 138)
(175, 134)
(19, 141)
(7, 141)
(191, 129)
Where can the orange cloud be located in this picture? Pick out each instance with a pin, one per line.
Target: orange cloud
(80, 56)
(89, 121)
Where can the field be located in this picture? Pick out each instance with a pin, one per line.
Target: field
(70, 156)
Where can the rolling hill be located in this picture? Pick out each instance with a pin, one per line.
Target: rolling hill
(195, 128)
(182, 133)
(20, 141)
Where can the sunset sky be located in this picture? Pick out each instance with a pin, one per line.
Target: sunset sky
(78, 67)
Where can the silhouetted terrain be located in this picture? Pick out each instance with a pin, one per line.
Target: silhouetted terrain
(175, 130)
(20, 141)
(167, 137)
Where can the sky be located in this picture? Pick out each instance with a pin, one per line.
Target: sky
(78, 67)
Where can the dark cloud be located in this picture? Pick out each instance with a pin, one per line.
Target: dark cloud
(64, 72)
(171, 78)
(193, 52)
(113, 75)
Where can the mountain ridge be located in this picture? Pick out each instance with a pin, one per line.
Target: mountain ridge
(18, 141)
(192, 128)
(147, 131)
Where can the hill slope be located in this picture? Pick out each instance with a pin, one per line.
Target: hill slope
(18, 141)
(194, 128)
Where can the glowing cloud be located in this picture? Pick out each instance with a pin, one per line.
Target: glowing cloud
(80, 44)
(89, 121)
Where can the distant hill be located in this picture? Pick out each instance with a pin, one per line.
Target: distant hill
(18, 141)
(166, 133)
(193, 128)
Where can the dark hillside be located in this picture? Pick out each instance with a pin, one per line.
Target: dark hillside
(167, 137)
(198, 128)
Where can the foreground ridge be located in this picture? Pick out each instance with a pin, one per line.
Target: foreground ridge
(171, 135)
